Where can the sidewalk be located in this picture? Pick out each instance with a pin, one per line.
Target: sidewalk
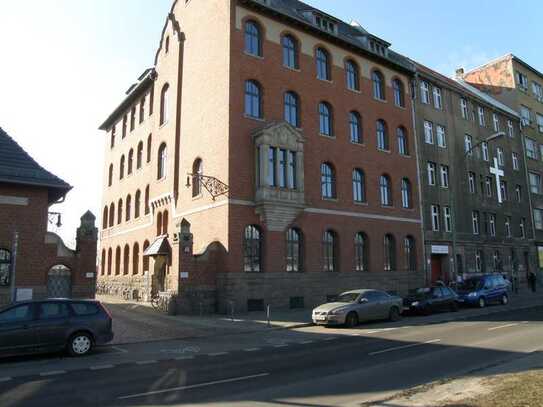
(139, 322)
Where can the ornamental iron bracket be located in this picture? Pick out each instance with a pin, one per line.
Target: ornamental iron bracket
(214, 186)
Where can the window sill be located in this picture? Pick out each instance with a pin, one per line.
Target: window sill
(197, 197)
(291, 69)
(387, 206)
(380, 100)
(384, 151)
(361, 203)
(400, 107)
(253, 55)
(258, 119)
(358, 144)
(405, 155)
(329, 81)
(330, 199)
(327, 136)
(357, 91)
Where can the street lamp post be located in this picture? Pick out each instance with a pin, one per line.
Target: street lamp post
(486, 140)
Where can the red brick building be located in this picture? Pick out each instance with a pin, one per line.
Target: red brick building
(43, 265)
(268, 157)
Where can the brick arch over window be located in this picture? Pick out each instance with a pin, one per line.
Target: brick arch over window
(291, 51)
(164, 104)
(136, 259)
(378, 81)
(162, 161)
(399, 92)
(352, 74)
(253, 36)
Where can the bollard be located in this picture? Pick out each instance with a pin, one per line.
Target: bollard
(268, 315)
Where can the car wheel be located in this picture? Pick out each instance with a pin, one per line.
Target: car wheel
(80, 344)
(394, 314)
(482, 302)
(505, 299)
(351, 320)
(454, 306)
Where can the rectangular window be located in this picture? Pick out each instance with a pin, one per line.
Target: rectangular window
(447, 218)
(499, 152)
(475, 222)
(531, 148)
(522, 81)
(464, 108)
(492, 222)
(503, 190)
(514, 157)
(522, 228)
(428, 132)
(437, 98)
(467, 144)
(538, 91)
(441, 137)
(435, 218)
(481, 114)
(495, 122)
(291, 170)
(425, 92)
(508, 226)
(538, 219)
(484, 149)
(488, 186)
(535, 182)
(444, 170)
(272, 166)
(539, 122)
(510, 131)
(431, 173)
(282, 168)
(525, 115)
(471, 182)
(518, 193)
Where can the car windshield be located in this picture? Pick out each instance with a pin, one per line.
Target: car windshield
(471, 284)
(347, 297)
(420, 292)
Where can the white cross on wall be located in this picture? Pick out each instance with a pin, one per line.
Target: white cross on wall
(495, 170)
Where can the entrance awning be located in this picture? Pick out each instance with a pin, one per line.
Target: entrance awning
(160, 247)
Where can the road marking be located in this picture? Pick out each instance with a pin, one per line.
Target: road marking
(502, 326)
(403, 347)
(194, 386)
(119, 349)
(330, 338)
(217, 354)
(280, 346)
(145, 362)
(53, 373)
(101, 367)
(4, 379)
(305, 342)
(251, 349)
(184, 357)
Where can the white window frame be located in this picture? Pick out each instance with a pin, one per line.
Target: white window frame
(539, 118)
(428, 132)
(468, 145)
(495, 122)
(499, 153)
(508, 226)
(510, 130)
(438, 101)
(538, 223)
(492, 225)
(484, 149)
(425, 92)
(447, 218)
(471, 182)
(444, 176)
(481, 114)
(475, 224)
(431, 171)
(514, 158)
(435, 214)
(536, 176)
(441, 136)
(464, 108)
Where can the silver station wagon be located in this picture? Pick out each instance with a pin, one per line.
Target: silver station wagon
(356, 306)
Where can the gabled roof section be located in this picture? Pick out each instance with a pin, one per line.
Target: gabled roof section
(506, 57)
(487, 98)
(17, 167)
(352, 35)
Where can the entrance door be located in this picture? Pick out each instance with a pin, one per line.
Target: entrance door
(436, 268)
(59, 282)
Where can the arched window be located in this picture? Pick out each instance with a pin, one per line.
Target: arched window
(351, 70)
(109, 261)
(159, 224)
(359, 188)
(389, 253)
(292, 109)
(164, 104)
(355, 127)
(130, 161)
(386, 193)
(117, 261)
(253, 39)
(147, 206)
(378, 85)
(103, 263)
(328, 181)
(128, 212)
(145, 258)
(137, 204)
(119, 211)
(112, 141)
(5, 267)
(361, 252)
(139, 155)
(410, 253)
(253, 99)
(111, 214)
(399, 93)
(294, 250)
(136, 259)
(110, 175)
(325, 119)
(323, 64)
(149, 145)
(104, 218)
(382, 135)
(252, 249)
(406, 193)
(290, 51)
(403, 146)
(165, 223)
(329, 250)
(197, 171)
(167, 45)
(126, 260)
(162, 161)
(121, 167)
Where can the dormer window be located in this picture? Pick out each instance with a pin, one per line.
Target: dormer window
(325, 24)
(378, 48)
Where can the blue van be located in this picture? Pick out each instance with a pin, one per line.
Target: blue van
(483, 289)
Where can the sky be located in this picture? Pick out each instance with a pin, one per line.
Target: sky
(65, 64)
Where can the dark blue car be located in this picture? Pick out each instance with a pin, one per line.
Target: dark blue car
(482, 290)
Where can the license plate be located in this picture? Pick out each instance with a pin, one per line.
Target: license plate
(320, 318)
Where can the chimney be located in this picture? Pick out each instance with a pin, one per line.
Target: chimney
(460, 73)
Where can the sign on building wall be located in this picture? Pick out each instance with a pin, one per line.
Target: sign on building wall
(440, 249)
(540, 256)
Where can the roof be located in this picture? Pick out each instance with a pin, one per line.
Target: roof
(348, 34)
(463, 87)
(135, 90)
(18, 167)
(507, 57)
(160, 247)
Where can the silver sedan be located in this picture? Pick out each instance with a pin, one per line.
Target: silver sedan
(356, 306)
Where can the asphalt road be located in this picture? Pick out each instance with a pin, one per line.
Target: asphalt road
(311, 367)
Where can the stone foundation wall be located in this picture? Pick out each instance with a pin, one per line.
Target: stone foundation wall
(138, 287)
(277, 289)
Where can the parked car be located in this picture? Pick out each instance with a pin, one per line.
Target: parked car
(356, 306)
(53, 325)
(484, 289)
(431, 299)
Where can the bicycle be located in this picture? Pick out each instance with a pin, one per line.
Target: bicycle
(159, 303)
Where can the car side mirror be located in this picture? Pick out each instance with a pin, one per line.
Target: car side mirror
(363, 301)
